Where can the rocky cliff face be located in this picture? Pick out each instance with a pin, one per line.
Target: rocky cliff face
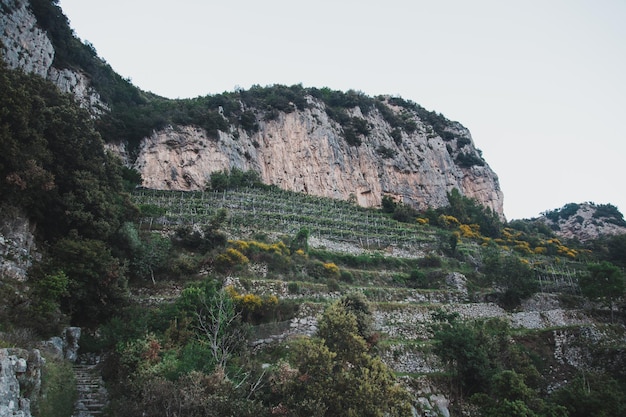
(25, 45)
(19, 369)
(305, 151)
(17, 245)
(586, 221)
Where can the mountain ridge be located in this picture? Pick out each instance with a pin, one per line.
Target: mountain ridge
(585, 221)
(383, 146)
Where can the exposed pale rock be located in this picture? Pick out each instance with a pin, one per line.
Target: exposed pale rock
(548, 318)
(24, 44)
(27, 47)
(65, 347)
(17, 244)
(79, 86)
(305, 151)
(585, 224)
(72, 337)
(19, 368)
(457, 281)
(301, 151)
(410, 359)
(442, 404)
(541, 302)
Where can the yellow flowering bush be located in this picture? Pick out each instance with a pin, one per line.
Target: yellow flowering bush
(471, 231)
(448, 221)
(230, 258)
(330, 269)
(254, 307)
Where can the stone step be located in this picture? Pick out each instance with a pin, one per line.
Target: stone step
(92, 395)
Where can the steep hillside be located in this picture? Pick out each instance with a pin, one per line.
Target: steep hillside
(317, 141)
(252, 300)
(305, 150)
(35, 37)
(585, 221)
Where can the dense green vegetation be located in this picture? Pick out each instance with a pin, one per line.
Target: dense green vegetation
(53, 162)
(58, 389)
(53, 167)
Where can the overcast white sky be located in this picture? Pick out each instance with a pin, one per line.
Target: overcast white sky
(541, 84)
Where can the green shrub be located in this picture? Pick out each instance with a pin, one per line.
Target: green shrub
(468, 159)
(331, 270)
(230, 259)
(388, 205)
(58, 390)
(346, 276)
(592, 394)
(233, 179)
(385, 152)
(396, 135)
(430, 261)
(421, 279)
(184, 265)
(333, 285)
(293, 287)
(404, 213)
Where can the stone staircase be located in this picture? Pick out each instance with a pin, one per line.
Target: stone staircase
(92, 395)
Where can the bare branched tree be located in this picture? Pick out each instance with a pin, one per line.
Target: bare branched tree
(220, 326)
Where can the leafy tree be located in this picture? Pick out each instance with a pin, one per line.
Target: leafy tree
(610, 214)
(510, 396)
(48, 290)
(469, 211)
(604, 282)
(616, 246)
(53, 164)
(300, 241)
(213, 235)
(336, 376)
(484, 365)
(96, 280)
(356, 303)
(511, 274)
(592, 393)
(463, 348)
(233, 179)
(203, 239)
(131, 177)
(339, 329)
(219, 181)
(151, 255)
(388, 205)
(404, 213)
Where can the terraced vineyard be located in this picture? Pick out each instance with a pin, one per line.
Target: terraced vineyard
(406, 290)
(284, 212)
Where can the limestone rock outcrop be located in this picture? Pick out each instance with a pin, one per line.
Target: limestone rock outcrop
(585, 221)
(17, 244)
(25, 45)
(305, 151)
(19, 368)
